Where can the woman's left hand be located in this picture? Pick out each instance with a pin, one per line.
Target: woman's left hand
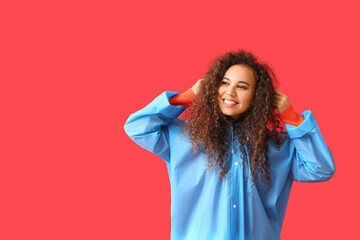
(282, 101)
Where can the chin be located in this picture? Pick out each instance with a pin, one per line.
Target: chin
(232, 115)
(236, 116)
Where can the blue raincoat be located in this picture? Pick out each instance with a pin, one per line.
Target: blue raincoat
(205, 208)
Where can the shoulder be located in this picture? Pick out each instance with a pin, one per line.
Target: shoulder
(283, 135)
(273, 143)
(176, 126)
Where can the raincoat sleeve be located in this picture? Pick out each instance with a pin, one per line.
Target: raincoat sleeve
(148, 127)
(312, 160)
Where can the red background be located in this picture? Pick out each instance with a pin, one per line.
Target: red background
(73, 71)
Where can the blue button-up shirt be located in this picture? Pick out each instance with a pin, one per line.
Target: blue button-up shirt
(205, 208)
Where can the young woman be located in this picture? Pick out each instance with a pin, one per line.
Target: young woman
(231, 166)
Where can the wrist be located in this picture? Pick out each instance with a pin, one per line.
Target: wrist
(183, 99)
(290, 116)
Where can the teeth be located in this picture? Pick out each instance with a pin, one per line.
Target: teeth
(229, 102)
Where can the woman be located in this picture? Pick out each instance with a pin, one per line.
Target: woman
(231, 166)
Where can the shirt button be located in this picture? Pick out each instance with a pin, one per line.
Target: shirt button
(234, 206)
(236, 163)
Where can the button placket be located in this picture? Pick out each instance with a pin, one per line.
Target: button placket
(232, 138)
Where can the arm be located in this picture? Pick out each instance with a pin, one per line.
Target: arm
(148, 126)
(312, 160)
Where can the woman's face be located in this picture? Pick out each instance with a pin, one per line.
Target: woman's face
(236, 90)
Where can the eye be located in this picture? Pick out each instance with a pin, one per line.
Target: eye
(224, 83)
(242, 87)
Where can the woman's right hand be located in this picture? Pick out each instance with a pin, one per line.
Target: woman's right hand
(196, 86)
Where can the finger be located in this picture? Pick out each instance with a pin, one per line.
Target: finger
(280, 96)
(279, 93)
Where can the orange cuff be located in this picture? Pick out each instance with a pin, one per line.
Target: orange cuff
(290, 116)
(183, 99)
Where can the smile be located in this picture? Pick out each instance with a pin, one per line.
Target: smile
(228, 102)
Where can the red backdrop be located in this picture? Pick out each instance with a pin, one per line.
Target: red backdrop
(73, 71)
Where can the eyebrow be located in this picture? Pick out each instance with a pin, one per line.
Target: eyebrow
(238, 81)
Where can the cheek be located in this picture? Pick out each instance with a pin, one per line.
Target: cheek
(220, 90)
(247, 98)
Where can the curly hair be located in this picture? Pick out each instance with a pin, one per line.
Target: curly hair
(208, 127)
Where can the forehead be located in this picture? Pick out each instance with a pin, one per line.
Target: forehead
(240, 72)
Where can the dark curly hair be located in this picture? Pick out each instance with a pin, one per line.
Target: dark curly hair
(208, 127)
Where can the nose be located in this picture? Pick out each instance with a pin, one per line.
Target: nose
(231, 90)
